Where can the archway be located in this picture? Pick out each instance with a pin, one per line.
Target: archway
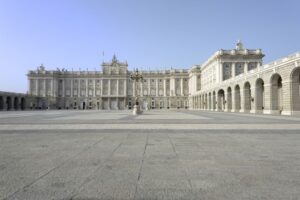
(201, 98)
(8, 103)
(83, 105)
(23, 106)
(295, 77)
(229, 99)
(276, 93)
(214, 100)
(259, 95)
(237, 97)
(221, 96)
(205, 101)
(16, 103)
(247, 96)
(1, 103)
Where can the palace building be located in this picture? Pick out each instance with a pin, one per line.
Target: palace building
(110, 88)
(234, 80)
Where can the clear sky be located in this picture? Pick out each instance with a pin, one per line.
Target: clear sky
(153, 34)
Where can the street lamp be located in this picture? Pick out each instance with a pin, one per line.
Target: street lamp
(136, 76)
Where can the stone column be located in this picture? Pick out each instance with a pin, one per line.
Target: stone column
(63, 88)
(246, 67)
(287, 102)
(194, 103)
(149, 87)
(181, 87)
(157, 87)
(267, 106)
(109, 88)
(55, 87)
(79, 92)
(233, 70)
(86, 90)
(142, 88)
(72, 87)
(118, 89)
(94, 93)
(233, 107)
(45, 89)
(125, 89)
(29, 87)
(201, 101)
(52, 87)
(165, 87)
(37, 87)
(133, 89)
(253, 103)
(102, 87)
(221, 72)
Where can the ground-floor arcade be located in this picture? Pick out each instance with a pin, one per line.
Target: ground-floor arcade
(274, 91)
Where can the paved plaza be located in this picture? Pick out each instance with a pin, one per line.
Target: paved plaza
(162, 154)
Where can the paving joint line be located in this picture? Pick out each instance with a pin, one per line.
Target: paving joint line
(141, 167)
(88, 179)
(51, 170)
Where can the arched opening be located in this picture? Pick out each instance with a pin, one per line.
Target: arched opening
(237, 98)
(295, 77)
(201, 102)
(8, 103)
(247, 96)
(83, 105)
(276, 93)
(1, 103)
(259, 95)
(205, 101)
(16, 103)
(214, 100)
(209, 101)
(23, 106)
(229, 99)
(221, 96)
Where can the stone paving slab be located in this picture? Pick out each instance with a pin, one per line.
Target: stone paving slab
(151, 126)
(149, 161)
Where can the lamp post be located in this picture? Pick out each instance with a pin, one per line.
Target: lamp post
(136, 76)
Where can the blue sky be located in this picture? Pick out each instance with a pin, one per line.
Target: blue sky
(153, 34)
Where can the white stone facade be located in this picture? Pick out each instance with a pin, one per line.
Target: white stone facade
(230, 80)
(110, 88)
(236, 81)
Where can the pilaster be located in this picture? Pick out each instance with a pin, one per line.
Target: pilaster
(86, 89)
(157, 87)
(181, 87)
(267, 91)
(72, 87)
(94, 92)
(165, 87)
(118, 89)
(63, 88)
(233, 70)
